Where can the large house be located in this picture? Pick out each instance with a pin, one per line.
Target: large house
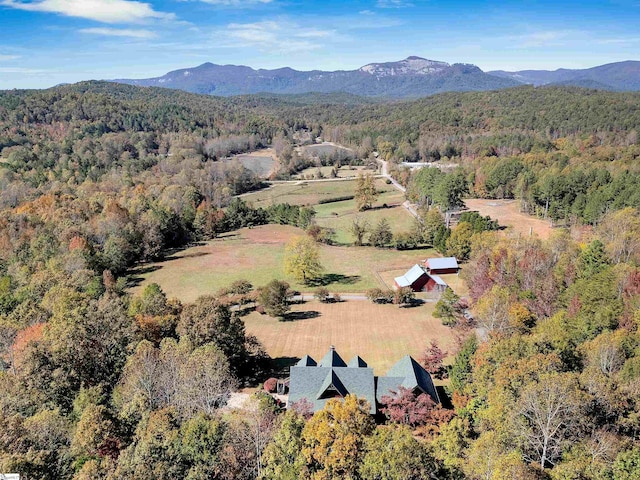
(419, 280)
(331, 377)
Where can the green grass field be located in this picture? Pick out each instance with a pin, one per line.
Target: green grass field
(338, 215)
(257, 255)
(345, 171)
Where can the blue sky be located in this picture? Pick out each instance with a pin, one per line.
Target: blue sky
(46, 42)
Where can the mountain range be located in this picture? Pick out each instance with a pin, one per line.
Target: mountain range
(619, 76)
(409, 78)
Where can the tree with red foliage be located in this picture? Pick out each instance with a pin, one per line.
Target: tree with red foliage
(303, 407)
(270, 385)
(432, 359)
(406, 408)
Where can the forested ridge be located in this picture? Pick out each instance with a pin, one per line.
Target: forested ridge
(96, 383)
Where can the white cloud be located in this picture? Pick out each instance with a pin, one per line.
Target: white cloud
(619, 41)
(394, 4)
(234, 3)
(283, 37)
(8, 58)
(25, 71)
(107, 11)
(541, 39)
(119, 32)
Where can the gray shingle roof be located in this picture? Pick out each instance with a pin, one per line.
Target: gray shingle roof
(414, 375)
(306, 361)
(330, 384)
(332, 359)
(311, 382)
(332, 377)
(357, 362)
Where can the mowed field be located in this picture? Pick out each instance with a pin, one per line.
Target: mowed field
(345, 171)
(507, 213)
(380, 334)
(261, 162)
(257, 254)
(338, 215)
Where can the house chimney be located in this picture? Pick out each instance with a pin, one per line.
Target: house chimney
(332, 348)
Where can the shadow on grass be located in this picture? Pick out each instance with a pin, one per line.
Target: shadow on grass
(295, 316)
(281, 365)
(338, 278)
(135, 278)
(414, 303)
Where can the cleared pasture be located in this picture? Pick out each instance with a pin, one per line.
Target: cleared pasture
(299, 193)
(508, 214)
(257, 255)
(261, 166)
(345, 171)
(380, 334)
(324, 149)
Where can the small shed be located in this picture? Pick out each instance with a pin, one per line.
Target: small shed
(441, 266)
(435, 284)
(416, 278)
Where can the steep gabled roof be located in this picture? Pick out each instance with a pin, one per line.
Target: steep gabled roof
(442, 263)
(413, 376)
(438, 280)
(331, 383)
(357, 362)
(306, 361)
(332, 359)
(410, 277)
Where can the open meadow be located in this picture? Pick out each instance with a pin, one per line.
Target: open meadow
(337, 215)
(380, 334)
(299, 193)
(261, 162)
(508, 214)
(345, 171)
(257, 255)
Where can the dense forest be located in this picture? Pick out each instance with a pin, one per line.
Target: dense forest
(99, 384)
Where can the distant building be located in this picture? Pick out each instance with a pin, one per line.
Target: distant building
(441, 266)
(420, 281)
(318, 382)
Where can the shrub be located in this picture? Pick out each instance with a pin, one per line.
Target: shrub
(404, 241)
(270, 385)
(404, 296)
(322, 294)
(336, 199)
(377, 295)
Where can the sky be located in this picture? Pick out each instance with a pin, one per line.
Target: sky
(47, 42)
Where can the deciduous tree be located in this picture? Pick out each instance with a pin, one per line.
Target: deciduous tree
(333, 440)
(366, 193)
(302, 259)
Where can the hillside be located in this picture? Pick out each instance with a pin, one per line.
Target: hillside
(621, 76)
(409, 78)
(104, 187)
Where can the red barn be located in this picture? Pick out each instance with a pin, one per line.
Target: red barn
(435, 283)
(416, 278)
(441, 266)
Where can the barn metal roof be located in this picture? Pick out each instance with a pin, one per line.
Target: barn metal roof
(411, 276)
(442, 263)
